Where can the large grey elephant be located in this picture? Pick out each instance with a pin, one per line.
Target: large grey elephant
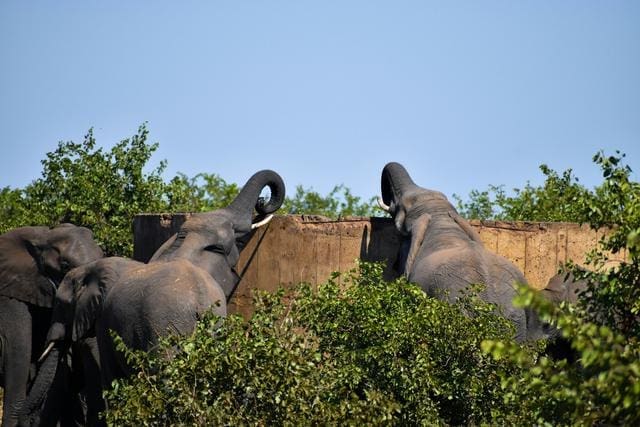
(442, 253)
(33, 261)
(194, 271)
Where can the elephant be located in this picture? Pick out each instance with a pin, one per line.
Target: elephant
(33, 261)
(562, 287)
(441, 252)
(194, 271)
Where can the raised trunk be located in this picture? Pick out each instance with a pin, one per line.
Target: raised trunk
(395, 181)
(241, 209)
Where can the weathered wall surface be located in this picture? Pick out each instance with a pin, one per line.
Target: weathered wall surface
(294, 249)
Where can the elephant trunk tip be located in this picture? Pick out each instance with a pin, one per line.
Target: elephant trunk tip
(249, 197)
(395, 181)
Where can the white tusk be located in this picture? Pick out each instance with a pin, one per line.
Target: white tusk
(46, 351)
(261, 223)
(382, 205)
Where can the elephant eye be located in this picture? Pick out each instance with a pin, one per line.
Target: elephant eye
(76, 285)
(219, 249)
(65, 266)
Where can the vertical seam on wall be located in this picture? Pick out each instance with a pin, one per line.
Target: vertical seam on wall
(556, 251)
(526, 255)
(315, 257)
(340, 256)
(566, 246)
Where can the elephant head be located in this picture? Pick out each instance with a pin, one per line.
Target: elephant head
(564, 287)
(212, 240)
(413, 207)
(80, 297)
(33, 260)
(405, 200)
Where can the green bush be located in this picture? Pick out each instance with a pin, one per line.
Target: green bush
(339, 203)
(560, 198)
(603, 387)
(366, 352)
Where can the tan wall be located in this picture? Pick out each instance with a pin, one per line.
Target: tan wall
(294, 249)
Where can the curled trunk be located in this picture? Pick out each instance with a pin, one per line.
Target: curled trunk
(241, 209)
(394, 182)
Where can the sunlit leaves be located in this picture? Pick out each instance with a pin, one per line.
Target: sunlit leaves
(339, 203)
(560, 198)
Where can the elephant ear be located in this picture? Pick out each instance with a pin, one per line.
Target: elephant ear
(89, 298)
(418, 230)
(20, 276)
(464, 225)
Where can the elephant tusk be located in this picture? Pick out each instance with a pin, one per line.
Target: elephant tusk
(382, 205)
(261, 223)
(46, 351)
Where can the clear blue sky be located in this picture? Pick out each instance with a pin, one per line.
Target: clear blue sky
(464, 94)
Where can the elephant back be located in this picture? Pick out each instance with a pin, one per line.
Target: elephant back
(19, 275)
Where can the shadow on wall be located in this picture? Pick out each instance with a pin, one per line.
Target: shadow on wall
(150, 231)
(380, 243)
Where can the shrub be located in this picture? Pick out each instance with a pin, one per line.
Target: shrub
(339, 203)
(603, 387)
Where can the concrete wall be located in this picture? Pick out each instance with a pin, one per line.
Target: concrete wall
(294, 249)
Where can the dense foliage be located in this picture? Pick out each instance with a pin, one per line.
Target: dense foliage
(102, 189)
(560, 198)
(339, 203)
(603, 329)
(364, 352)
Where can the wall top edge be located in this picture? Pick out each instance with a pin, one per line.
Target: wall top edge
(319, 219)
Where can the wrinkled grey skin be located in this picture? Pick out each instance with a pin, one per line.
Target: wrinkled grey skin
(191, 273)
(442, 253)
(33, 261)
(563, 287)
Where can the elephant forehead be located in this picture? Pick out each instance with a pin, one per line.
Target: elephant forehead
(207, 223)
(208, 230)
(427, 199)
(63, 234)
(68, 231)
(424, 195)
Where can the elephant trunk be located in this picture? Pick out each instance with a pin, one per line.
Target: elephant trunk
(394, 182)
(48, 374)
(241, 209)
